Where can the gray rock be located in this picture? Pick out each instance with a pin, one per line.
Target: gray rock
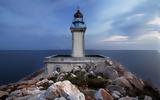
(3, 87)
(129, 98)
(108, 72)
(112, 88)
(83, 70)
(50, 82)
(75, 69)
(73, 75)
(123, 82)
(89, 94)
(61, 98)
(138, 83)
(23, 93)
(147, 98)
(55, 73)
(116, 94)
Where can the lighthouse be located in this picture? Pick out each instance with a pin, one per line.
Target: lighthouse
(78, 29)
(66, 63)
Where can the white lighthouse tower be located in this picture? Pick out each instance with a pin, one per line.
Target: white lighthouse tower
(78, 29)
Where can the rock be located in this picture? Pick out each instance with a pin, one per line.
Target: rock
(91, 74)
(73, 75)
(89, 94)
(128, 98)
(61, 77)
(39, 83)
(35, 96)
(25, 84)
(64, 89)
(108, 72)
(3, 94)
(61, 98)
(102, 94)
(55, 73)
(50, 82)
(3, 87)
(83, 70)
(23, 92)
(112, 88)
(147, 98)
(97, 82)
(138, 83)
(17, 93)
(76, 69)
(123, 82)
(99, 76)
(109, 62)
(116, 94)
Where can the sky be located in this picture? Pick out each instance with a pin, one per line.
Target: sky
(111, 24)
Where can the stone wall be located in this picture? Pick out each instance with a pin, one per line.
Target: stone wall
(66, 64)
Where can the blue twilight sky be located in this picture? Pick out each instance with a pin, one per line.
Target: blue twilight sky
(111, 24)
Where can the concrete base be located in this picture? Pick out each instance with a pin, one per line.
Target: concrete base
(67, 63)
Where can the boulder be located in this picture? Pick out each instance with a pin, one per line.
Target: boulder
(61, 77)
(129, 98)
(28, 82)
(3, 94)
(3, 87)
(76, 69)
(26, 93)
(55, 73)
(108, 72)
(112, 88)
(147, 98)
(108, 62)
(63, 89)
(102, 94)
(89, 94)
(39, 83)
(138, 83)
(50, 82)
(116, 94)
(61, 98)
(83, 70)
(123, 82)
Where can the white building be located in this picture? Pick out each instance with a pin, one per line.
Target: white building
(78, 29)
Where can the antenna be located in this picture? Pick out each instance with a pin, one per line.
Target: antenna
(78, 7)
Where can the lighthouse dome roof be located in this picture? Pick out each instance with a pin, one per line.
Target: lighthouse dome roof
(78, 14)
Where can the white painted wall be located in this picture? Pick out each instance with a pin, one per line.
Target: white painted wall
(78, 44)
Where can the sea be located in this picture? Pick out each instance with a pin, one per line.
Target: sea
(16, 64)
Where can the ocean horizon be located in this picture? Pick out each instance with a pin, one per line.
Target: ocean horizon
(16, 64)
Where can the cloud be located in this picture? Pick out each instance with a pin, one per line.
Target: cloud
(116, 38)
(152, 36)
(135, 16)
(110, 23)
(155, 21)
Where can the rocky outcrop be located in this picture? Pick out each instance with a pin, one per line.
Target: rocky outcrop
(103, 81)
(60, 91)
